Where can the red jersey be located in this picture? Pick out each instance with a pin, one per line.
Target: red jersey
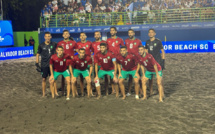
(69, 47)
(81, 64)
(133, 45)
(114, 45)
(96, 46)
(148, 62)
(129, 63)
(59, 64)
(87, 46)
(106, 61)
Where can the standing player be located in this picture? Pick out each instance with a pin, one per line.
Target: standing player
(80, 63)
(87, 45)
(114, 43)
(108, 67)
(46, 49)
(58, 66)
(154, 46)
(152, 68)
(96, 49)
(130, 67)
(132, 44)
(69, 49)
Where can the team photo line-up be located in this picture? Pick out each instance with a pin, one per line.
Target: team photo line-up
(113, 59)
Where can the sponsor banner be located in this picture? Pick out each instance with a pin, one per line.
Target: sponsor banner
(16, 52)
(188, 46)
(144, 27)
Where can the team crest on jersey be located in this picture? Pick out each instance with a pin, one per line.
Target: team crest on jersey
(62, 44)
(155, 44)
(128, 59)
(116, 41)
(86, 45)
(85, 61)
(135, 43)
(51, 47)
(70, 44)
(108, 57)
(146, 60)
(64, 59)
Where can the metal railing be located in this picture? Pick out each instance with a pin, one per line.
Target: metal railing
(127, 18)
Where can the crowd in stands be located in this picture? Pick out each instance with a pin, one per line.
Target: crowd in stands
(78, 10)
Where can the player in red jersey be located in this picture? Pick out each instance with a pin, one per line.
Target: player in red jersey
(58, 66)
(69, 49)
(132, 45)
(80, 65)
(152, 68)
(96, 49)
(108, 67)
(128, 66)
(114, 42)
(87, 45)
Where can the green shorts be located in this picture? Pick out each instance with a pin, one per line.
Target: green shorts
(77, 72)
(102, 73)
(149, 74)
(125, 74)
(65, 74)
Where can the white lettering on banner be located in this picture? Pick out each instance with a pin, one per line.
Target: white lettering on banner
(2, 54)
(135, 27)
(58, 30)
(25, 52)
(184, 25)
(186, 47)
(167, 47)
(204, 46)
(1, 39)
(213, 46)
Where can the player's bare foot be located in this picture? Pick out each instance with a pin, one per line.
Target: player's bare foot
(113, 92)
(67, 98)
(123, 97)
(107, 93)
(56, 94)
(160, 100)
(144, 98)
(98, 97)
(82, 94)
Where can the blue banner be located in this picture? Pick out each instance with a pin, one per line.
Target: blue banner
(6, 33)
(16, 52)
(91, 29)
(188, 46)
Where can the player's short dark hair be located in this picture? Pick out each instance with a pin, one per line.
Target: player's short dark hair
(152, 30)
(103, 44)
(141, 46)
(47, 33)
(81, 49)
(97, 31)
(65, 31)
(131, 30)
(82, 33)
(123, 47)
(113, 28)
(60, 47)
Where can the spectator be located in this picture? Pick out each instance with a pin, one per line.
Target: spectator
(78, 3)
(83, 2)
(31, 42)
(151, 17)
(88, 7)
(103, 8)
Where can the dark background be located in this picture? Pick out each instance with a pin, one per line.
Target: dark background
(24, 14)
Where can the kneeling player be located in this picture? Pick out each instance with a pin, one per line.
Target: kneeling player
(130, 67)
(58, 66)
(108, 67)
(152, 68)
(80, 64)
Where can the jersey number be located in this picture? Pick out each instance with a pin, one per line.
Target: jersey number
(67, 46)
(126, 62)
(151, 48)
(113, 44)
(82, 64)
(145, 64)
(61, 63)
(98, 48)
(49, 51)
(105, 60)
(131, 45)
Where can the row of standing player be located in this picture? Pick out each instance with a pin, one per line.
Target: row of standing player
(153, 46)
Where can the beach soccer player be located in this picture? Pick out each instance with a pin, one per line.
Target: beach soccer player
(152, 68)
(132, 43)
(45, 50)
(108, 67)
(128, 66)
(154, 46)
(59, 66)
(80, 65)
